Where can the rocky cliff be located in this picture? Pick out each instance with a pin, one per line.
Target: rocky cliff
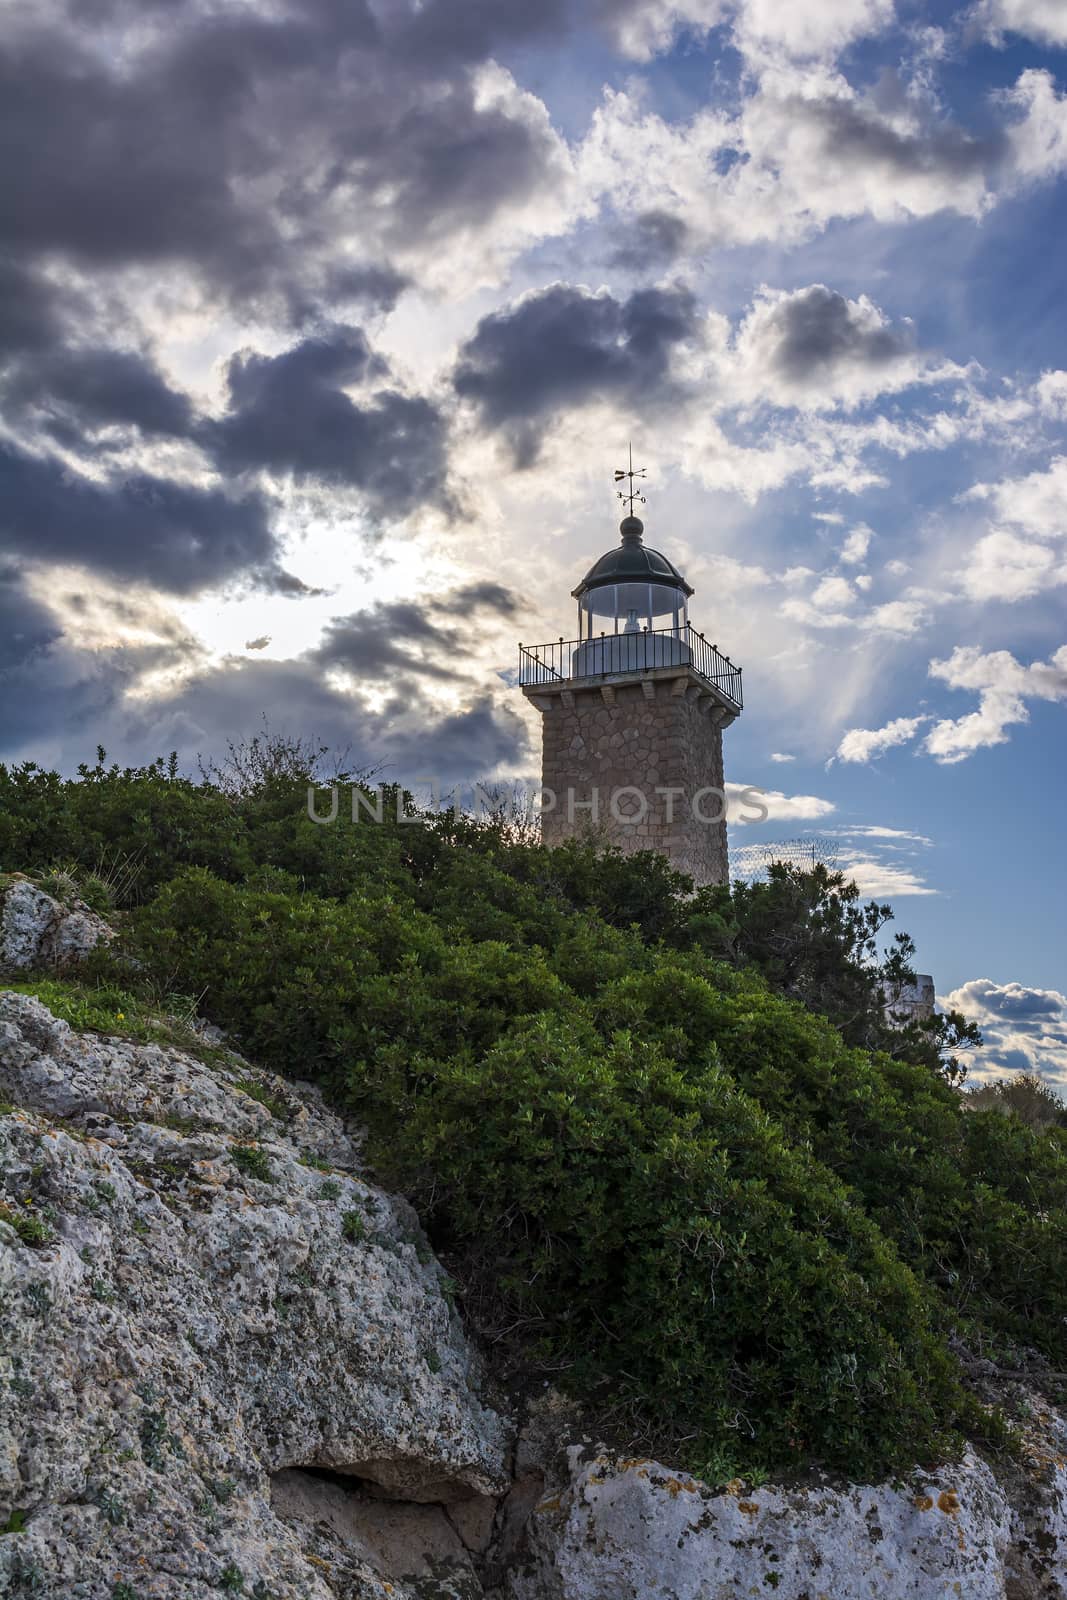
(229, 1364)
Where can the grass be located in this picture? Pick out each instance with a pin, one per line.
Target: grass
(256, 1091)
(32, 1230)
(252, 1162)
(108, 1009)
(354, 1227)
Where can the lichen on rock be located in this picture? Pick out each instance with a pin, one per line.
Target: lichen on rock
(37, 930)
(192, 1322)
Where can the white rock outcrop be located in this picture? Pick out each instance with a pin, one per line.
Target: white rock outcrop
(230, 1365)
(37, 930)
(615, 1529)
(199, 1293)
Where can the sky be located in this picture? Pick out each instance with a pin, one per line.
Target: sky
(324, 325)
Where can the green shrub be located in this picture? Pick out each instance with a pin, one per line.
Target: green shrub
(354, 1227)
(31, 1229)
(252, 1162)
(727, 1225)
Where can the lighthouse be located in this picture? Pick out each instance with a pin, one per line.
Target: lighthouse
(633, 712)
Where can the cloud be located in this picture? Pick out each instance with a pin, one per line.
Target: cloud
(94, 387)
(1043, 20)
(815, 348)
(1023, 1028)
(562, 346)
(1037, 503)
(390, 638)
(180, 537)
(425, 639)
(903, 617)
(481, 596)
(780, 807)
(291, 414)
(803, 29)
(391, 684)
(855, 548)
(866, 744)
(258, 644)
(1037, 138)
(868, 855)
(873, 831)
(1003, 686)
(804, 148)
(884, 880)
(272, 131)
(26, 627)
(809, 28)
(1004, 567)
(650, 241)
(832, 592)
(779, 756)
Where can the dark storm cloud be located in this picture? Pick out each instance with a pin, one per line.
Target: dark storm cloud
(290, 414)
(426, 639)
(470, 30)
(64, 717)
(149, 529)
(369, 287)
(868, 134)
(92, 388)
(816, 329)
(485, 596)
(651, 240)
(565, 346)
(29, 314)
(159, 152)
(391, 637)
(403, 740)
(26, 628)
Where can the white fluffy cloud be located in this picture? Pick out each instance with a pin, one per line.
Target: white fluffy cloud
(884, 880)
(809, 28)
(806, 147)
(1043, 20)
(1017, 561)
(802, 28)
(865, 744)
(1025, 1029)
(854, 550)
(1004, 567)
(780, 807)
(816, 349)
(1003, 686)
(1036, 503)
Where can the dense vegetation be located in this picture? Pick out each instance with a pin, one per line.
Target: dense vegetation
(741, 1229)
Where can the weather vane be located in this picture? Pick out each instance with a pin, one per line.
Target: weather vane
(633, 493)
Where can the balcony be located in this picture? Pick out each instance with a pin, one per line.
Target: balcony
(612, 654)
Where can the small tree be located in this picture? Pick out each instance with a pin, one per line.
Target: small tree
(814, 940)
(270, 759)
(1025, 1095)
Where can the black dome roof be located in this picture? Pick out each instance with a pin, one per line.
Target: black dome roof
(631, 562)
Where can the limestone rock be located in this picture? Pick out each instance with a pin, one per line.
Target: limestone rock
(636, 1530)
(199, 1292)
(37, 930)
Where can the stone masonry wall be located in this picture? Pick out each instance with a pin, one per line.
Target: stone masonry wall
(643, 734)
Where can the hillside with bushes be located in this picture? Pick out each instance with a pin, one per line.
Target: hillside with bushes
(669, 1150)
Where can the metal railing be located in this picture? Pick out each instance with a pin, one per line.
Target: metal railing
(609, 654)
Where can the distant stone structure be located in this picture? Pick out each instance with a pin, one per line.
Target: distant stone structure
(633, 715)
(911, 1002)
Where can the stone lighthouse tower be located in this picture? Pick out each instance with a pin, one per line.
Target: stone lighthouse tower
(633, 712)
